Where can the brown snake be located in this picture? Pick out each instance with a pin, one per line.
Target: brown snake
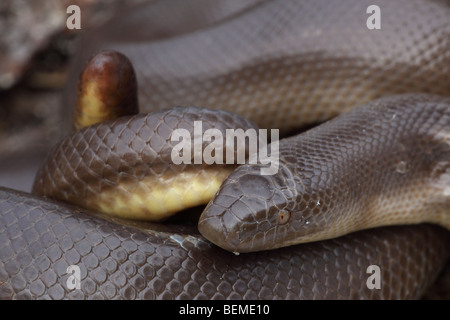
(281, 64)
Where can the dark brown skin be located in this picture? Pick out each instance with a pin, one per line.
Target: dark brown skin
(282, 64)
(383, 163)
(132, 156)
(119, 260)
(245, 189)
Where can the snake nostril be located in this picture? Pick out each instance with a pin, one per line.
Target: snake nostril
(283, 216)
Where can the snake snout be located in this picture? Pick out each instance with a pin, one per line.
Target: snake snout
(246, 213)
(215, 225)
(232, 228)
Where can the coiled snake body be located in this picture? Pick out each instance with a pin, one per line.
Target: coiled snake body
(281, 64)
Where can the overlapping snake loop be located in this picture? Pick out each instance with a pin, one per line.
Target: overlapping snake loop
(385, 160)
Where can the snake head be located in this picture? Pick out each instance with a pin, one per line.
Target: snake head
(254, 212)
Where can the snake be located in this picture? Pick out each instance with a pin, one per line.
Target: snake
(382, 160)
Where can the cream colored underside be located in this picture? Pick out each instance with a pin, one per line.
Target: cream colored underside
(157, 198)
(94, 110)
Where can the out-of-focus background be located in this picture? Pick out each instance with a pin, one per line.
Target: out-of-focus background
(36, 48)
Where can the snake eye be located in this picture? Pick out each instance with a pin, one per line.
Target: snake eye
(283, 216)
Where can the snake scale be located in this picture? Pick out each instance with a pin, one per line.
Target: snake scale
(281, 64)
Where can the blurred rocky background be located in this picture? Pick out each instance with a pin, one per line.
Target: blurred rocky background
(35, 50)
